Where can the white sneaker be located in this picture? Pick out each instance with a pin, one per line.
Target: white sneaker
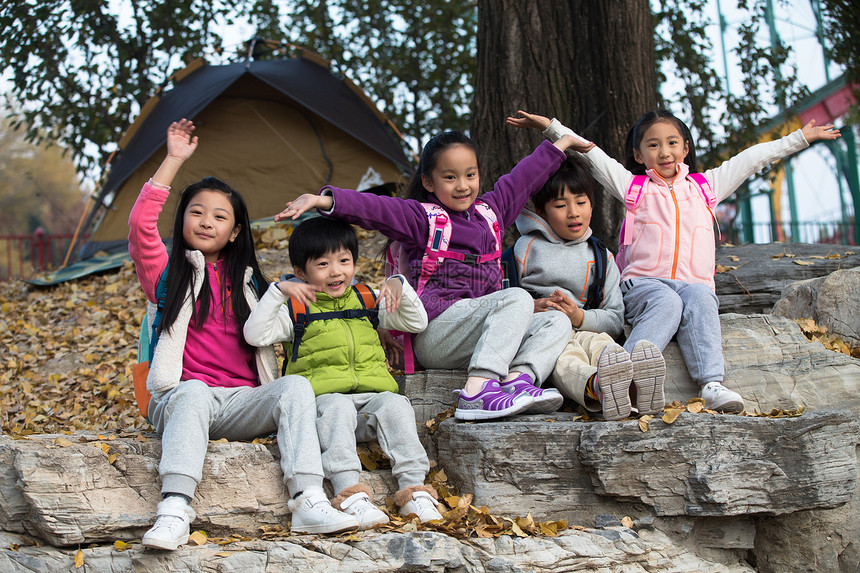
(718, 397)
(313, 513)
(359, 505)
(172, 525)
(423, 505)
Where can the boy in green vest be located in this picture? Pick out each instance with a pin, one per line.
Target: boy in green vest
(340, 353)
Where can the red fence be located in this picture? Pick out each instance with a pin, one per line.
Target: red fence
(25, 256)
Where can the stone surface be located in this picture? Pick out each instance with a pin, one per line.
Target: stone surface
(700, 465)
(832, 301)
(757, 274)
(609, 550)
(768, 360)
(66, 491)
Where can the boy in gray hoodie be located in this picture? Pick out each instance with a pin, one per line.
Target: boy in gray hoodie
(556, 262)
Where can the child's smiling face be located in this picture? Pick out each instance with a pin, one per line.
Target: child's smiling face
(662, 148)
(331, 273)
(208, 223)
(569, 215)
(454, 179)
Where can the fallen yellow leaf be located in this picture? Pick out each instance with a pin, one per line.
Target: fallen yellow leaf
(671, 415)
(627, 522)
(198, 538)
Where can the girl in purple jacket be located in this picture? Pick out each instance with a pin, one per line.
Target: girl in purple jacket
(494, 334)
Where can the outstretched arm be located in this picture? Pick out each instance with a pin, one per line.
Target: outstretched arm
(181, 144)
(813, 133)
(535, 121)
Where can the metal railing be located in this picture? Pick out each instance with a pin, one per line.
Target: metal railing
(838, 233)
(25, 256)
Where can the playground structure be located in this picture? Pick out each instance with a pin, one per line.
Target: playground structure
(826, 105)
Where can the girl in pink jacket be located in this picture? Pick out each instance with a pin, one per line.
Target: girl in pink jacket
(668, 243)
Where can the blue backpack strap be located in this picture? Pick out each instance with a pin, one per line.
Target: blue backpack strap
(161, 302)
(595, 291)
(510, 276)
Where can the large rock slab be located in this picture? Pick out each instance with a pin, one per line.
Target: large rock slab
(67, 490)
(758, 273)
(833, 301)
(701, 465)
(607, 550)
(768, 360)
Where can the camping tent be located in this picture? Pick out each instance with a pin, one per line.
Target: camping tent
(272, 129)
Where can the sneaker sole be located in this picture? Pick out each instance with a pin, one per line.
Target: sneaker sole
(519, 405)
(164, 544)
(315, 529)
(546, 403)
(731, 407)
(615, 371)
(649, 375)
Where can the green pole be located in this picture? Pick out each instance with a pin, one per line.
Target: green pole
(792, 202)
(852, 174)
(745, 206)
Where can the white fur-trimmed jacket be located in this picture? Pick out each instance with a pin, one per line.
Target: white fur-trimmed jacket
(165, 370)
(150, 258)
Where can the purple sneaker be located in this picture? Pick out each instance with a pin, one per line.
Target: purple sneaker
(491, 402)
(546, 399)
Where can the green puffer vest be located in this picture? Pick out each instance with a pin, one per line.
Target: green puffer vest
(341, 355)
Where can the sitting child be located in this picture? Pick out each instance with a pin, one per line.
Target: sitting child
(556, 261)
(342, 356)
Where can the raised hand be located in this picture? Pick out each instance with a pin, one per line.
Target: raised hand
(181, 143)
(813, 132)
(528, 121)
(303, 203)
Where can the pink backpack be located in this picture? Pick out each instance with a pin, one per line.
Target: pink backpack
(631, 201)
(436, 251)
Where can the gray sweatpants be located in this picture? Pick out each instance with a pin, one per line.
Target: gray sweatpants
(192, 413)
(493, 335)
(659, 308)
(345, 419)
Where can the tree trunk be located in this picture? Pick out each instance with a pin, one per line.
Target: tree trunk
(590, 64)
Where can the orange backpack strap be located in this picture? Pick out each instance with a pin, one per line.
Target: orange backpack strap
(365, 295)
(299, 313)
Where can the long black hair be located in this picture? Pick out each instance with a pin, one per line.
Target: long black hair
(634, 138)
(237, 255)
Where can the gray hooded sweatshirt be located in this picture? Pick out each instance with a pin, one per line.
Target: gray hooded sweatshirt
(545, 262)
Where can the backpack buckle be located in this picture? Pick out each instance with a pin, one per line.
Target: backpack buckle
(470, 259)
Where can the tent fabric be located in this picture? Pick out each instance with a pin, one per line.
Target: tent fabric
(271, 129)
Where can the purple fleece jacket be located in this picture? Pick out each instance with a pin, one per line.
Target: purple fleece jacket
(405, 220)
